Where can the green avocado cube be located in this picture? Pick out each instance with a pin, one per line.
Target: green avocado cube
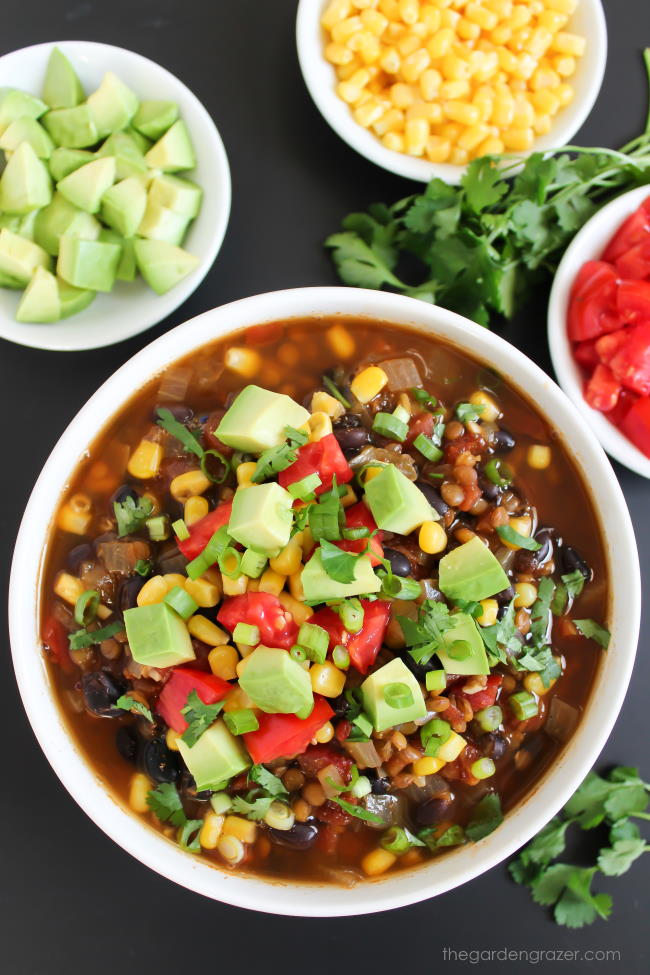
(25, 184)
(26, 129)
(470, 657)
(377, 704)
(180, 195)
(73, 300)
(319, 587)
(163, 265)
(257, 419)
(157, 636)
(61, 88)
(127, 269)
(40, 301)
(159, 223)
(88, 264)
(86, 186)
(112, 106)
(173, 152)
(22, 225)
(276, 683)
(153, 118)
(20, 257)
(471, 572)
(129, 160)
(261, 517)
(397, 504)
(216, 757)
(16, 104)
(64, 161)
(73, 128)
(60, 217)
(123, 206)
(7, 281)
(140, 141)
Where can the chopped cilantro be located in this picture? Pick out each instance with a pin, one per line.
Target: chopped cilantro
(468, 413)
(424, 635)
(357, 811)
(188, 438)
(339, 565)
(166, 803)
(267, 780)
(127, 703)
(255, 809)
(277, 459)
(88, 638)
(593, 631)
(131, 515)
(199, 717)
(486, 816)
(508, 534)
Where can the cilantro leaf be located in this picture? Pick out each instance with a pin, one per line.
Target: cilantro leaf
(619, 857)
(574, 582)
(593, 631)
(357, 811)
(508, 534)
(267, 780)
(433, 620)
(577, 905)
(486, 816)
(189, 440)
(338, 565)
(548, 844)
(452, 836)
(277, 459)
(468, 413)
(358, 264)
(254, 809)
(587, 804)
(127, 703)
(199, 717)
(483, 184)
(131, 514)
(166, 803)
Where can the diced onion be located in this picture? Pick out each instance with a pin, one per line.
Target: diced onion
(402, 374)
(175, 382)
(369, 455)
(364, 753)
(562, 719)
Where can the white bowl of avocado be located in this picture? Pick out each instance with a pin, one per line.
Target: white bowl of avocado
(114, 194)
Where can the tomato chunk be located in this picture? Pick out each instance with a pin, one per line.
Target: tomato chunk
(632, 231)
(265, 611)
(184, 680)
(359, 516)
(636, 424)
(633, 301)
(630, 363)
(603, 389)
(202, 530)
(325, 458)
(55, 639)
(586, 354)
(363, 646)
(634, 264)
(592, 305)
(318, 757)
(486, 697)
(285, 735)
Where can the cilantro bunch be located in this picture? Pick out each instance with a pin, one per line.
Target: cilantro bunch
(480, 248)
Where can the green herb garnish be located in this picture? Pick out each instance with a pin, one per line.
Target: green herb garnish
(508, 534)
(593, 631)
(88, 638)
(166, 803)
(131, 515)
(334, 391)
(127, 703)
(468, 413)
(188, 438)
(267, 780)
(277, 459)
(486, 816)
(199, 717)
(357, 811)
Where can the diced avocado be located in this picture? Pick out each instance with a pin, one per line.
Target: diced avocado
(60, 217)
(73, 300)
(127, 268)
(180, 195)
(159, 223)
(471, 572)
(277, 683)
(397, 504)
(20, 257)
(112, 106)
(88, 264)
(216, 757)
(15, 104)
(129, 160)
(319, 587)
(73, 128)
(26, 129)
(153, 118)
(174, 151)
(21, 225)
(87, 185)
(40, 301)
(163, 265)
(382, 714)
(25, 184)
(257, 419)
(157, 636)
(7, 281)
(464, 630)
(61, 88)
(64, 161)
(123, 206)
(261, 517)
(141, 141)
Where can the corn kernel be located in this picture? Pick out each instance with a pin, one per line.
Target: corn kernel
(325, 734)
(416, 133)
(368, 113)
(535, 685)
(518, 140)
(335, 11)
(244, 473)
(409, 10)
(223, 662)
(552, 20)
(526, 594)
(195, 509)
(68, 588)
(432, 537)
(478, 14)
(299, 611)
(211, 830)
(569, 44)
(374, 21)
(394, 142)
(539, 456)
(542, 124)
(430, 81)
(401, 95)
(489, 610)
(427, 765)
(290, 558)
(154, 591)
(326, 679)
(343, 30)
(463, 112)
(324, 403)
(438, 149)
(490, 411)
(320, 425)
(451, 748)
(440, 43)
(377, 862)
(204, 593)
(368, 383)
(271, 581)
(139, 787)
(473, 136)
(338, 54)
(188, 485)
(564, 93)
(454, 91)
(565, 66)
(467, 30)
(244, 361)
(236, 586)
(242, 829)
(203, 629)
(340, 341)
(144, 462)
(414, 64)
(390, 61)
(544, 101)
(171, 739)
(491, 147)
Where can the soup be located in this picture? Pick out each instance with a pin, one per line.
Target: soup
(324, 600)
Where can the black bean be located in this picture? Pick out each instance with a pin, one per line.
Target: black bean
(526, 561)
(100, 692)
(352, 440)
(432, 811)
(179, 411)
(433, 497)
(340, 706)
(505, 597)
(128, 593)
(347, 422)
(399, 564)
(380, 786)
(503, 440)
(419, 670)
(488, 487)
(77, 555)
(124, 492)
(573, 562)
(493, 744)
(126, 742)
(300, 837)
(159, 762)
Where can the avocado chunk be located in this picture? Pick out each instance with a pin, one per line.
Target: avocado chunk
(129, 160)
(21, 225)
(160, 223)
(257, 420)
(319, 587)
(471, 572)
(16, 104)
(163, 265)
(73, 300)
(139, 140)
(40, 302)
(384, 714)
(7, 281)
(60, 217)
(396, 503)
(173, 152)
(20, 257)
(153, 118)
(261, 517)
(86, 186)
(73, 128)
(180, 195)
(88, 263)
(123, 206)
(26, 129)
(157, 636)
(61, 88)
(112, 106)
(471, 658)
(277, 683)
(216, 757)
(25, 184)
(127, 268)
(64, 161)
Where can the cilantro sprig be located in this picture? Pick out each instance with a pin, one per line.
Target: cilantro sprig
(277, 459)
(424, 635)
(199, 717)
(131, 514)
(128, 703)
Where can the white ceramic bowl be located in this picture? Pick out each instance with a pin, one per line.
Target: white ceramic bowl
(588, 245)
(320, 78)
(131, 307)
(296, 898)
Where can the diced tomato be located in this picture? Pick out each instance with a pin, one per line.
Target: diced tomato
(325, 458)
(317, 757)
(331, 621)
(626, 401)
(420, 423)
(585, 353)
(359, 516)
(608, 345)
(55, 640)
(592, 307)
(633, 301)
(603, 389)
(332, 814)
(631, 361)
(263, 610)
(470, 443)
(471, 496)
(634, 230)
(484, 698)
(184, 680)
(202, 530)
(636, 424)
(363, 646)
(285, 735)
(634, 264)
(210, 439)
(342, 731)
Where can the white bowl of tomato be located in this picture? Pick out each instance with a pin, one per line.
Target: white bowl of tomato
(599, 327)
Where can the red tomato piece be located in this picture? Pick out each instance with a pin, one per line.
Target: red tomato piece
(285, 735)
(472, 494)
(317, 757)
(586, 355)
(608, 345)
(359, 516)
(363, 646)
(634, 264)
(630, 363)
(332, 814)
(603, 389)
(486, 697)
(331, 621)
(184, 680)
(55, 640)
(632, 231)
(469, 443)
(202, 530)
(420, 423)
(633, 301)
(592, 305)
(325, 458)
(636, 424)
(626, 401)
(263, 610)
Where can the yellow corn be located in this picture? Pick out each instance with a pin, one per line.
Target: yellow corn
(488, 617)
(223, 662)
(336, 10)
(188, 485)
(174, 579)
(368, 383)
(427, 765)
(300, 612)
(139, 787)
(526, 594)
(203, 592)
(451, 749)
(76, 515)
(171, 739)
(244, 361)
(154, 591)
(394, 142)
(237, 699)
(518, 140)
(206, 631)
(324, 403)
(538, 456)
(569, 44)
(432, 537)
(325, 734)
(326, 679)
(68, 588)
(522, 526)
(236, 586)
(295, 586)
(242, 829)
(349, 498)
(211, 830)
(195, 509)
(534, 683)
(271, 581)
(290, 558)
(144, 462)
(245, 473)
(438, 149)
(490, 411)
(320, 425)
(377, 862)
(340, 342)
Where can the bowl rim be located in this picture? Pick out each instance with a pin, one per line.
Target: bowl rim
(318, 76)
(588, 244)
(44, 336)
(292, 898)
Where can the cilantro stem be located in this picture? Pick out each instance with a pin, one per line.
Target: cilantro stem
(641, 815)
(646, 62)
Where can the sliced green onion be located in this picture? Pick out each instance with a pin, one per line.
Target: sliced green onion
(435, 681)
(304, 489)
(88, 638)
(158, 528)
(508, 534)
(85, 608)
(397, 695)
(523, 705)
(423, 397)
(315, 641)
(222, 460)
(188, 835)
(324, 519)
(224, 559)
(220, 802)
(490, 718)
(433, 734)
(180, 529)
(498, 472)
(354, 534)
(364, 724)
(241, 721)
(198, 566)
(400, 587)
(395, 840)
(253, 564)
(333, 389)
(361, 787)
(351, 613)
(340, 657)
(388, 425)
(427, 448)
(247, 634)
(143, 567)
(298, 654)
(181, 602)
(401, 414)
(483, 768)
(459, 650)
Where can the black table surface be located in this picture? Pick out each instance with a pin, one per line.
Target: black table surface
(71, 901)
